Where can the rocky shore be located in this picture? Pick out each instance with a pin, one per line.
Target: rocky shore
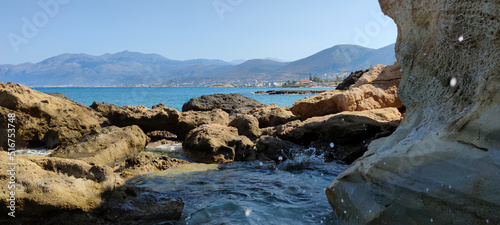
(441, 166)
(98, 151)
(290, 92)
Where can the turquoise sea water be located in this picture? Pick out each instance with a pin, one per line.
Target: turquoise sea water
(173, 97)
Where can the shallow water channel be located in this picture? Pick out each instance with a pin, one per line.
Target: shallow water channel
(291, 192)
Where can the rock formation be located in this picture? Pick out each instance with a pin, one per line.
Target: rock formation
(159, 117)
(350, 80)
(345, 134)
(231, 103)
(41, 119)
(211, 143)
(272, 115)
(441, 165)
(375, 89)
(247, 125)
(104, 146)
(192, 119)
(143, 163)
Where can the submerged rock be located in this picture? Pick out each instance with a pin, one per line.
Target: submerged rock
(375, 89)
(214, 143)
(230, 103)
(105, 146)
(41, 119)
(441, 166)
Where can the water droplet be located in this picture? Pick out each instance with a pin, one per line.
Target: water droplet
(280, 158)
(427, 189)
(321, 221)
(332, 145)
(449, 186)
(364, 141)
(341, 200)
(453, 82)
(401, 70)
(487, 221)
(425, 53)
(461, 38)
(385, 163)
(345, 212)
(260, 163)
(370, 211)
(247, 212)
(432, 220)
(342, 119)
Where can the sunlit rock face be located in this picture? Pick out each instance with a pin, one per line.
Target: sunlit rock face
(442, 165)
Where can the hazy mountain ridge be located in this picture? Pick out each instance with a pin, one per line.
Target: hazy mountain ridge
(134, 68)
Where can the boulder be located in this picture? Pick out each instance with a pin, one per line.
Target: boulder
(41, 119)
(272, 148)
(192, 119)
(143, 163)
(230, 103)
(214, 143)
(350, 80)
(52, 190)
(159, 117)
(105, 146)
(344, 134)
(247, 125)
(441, 165)
(375, 89)
(272, 115)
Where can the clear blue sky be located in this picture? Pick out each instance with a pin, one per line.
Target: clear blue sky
(188, 29)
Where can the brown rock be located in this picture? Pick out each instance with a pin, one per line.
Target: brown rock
(230, 103)
(344, 133)
(143, 163)
(247, 125)
(41, 119)
(105, 146)
(53, 190)
(441, 165)
(159, 117)
(192, 119)
(272, 148)
(375, 89)
(272, 115)
(214, 143)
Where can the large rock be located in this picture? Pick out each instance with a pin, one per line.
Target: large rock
(105, 146)
(441, 165)
(193, 119)
(42, 119)
(66, 191)
(272, 115)
(345, 134)
(214, 143)
(273, 148)
(143, 163)
(375, 89)
(159, 117)
(350, 80)
(230, 103)
(247, 125)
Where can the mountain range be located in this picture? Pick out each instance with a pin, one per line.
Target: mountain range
(134, 68)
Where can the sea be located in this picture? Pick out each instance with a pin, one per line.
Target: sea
(173, 97)
(258, 192)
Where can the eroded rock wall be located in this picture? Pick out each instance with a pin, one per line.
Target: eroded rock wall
(441, 166)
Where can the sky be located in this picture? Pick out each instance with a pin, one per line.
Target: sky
(33, 30)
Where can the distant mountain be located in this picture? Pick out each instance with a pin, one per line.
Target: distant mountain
(134, 68)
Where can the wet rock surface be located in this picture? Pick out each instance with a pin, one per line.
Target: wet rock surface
(441, 165)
